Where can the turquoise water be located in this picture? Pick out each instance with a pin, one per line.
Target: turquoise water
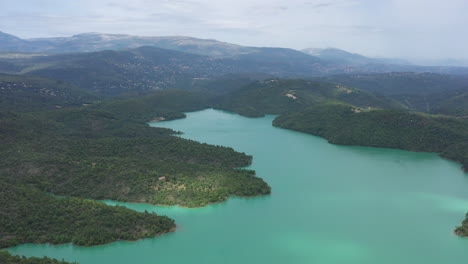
(330, 204)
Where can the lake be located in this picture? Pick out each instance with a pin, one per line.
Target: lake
(329, 204)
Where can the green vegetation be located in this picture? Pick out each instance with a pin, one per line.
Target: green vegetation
(349, 125)
(454, 104)
(396, 83)
(25, 94)
(424, 92)
(7, 258)
(169, 104)
(92, 154)
(31, 216)
(286, 96)
(106, 151)
(463, 229)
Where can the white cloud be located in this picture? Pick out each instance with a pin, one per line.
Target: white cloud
(398, 28)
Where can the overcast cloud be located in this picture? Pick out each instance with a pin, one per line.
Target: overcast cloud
(386, 28)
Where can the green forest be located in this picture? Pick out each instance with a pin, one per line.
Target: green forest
(463, 229)
(32, 216)
(345, 124)
(7, 258)
(93, 154)
(75, 143)
(103, 149)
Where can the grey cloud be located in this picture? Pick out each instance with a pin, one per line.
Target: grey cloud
(379, 28)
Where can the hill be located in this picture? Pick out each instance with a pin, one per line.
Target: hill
(454, 103)
(90, 153)
(341, 56)
(114, 72)
(345, 124)
(29, 93)
(31, 216)
(284, 96)
(91, 42)
(396, 83)
(150, 68)
(424, 92)
(282, 62)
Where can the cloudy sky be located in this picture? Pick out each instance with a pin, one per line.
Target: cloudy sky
(415, 29)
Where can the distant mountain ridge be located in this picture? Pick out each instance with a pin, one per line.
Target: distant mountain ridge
(344, 57)
(22, 55)
(90, 42)
(151, 68)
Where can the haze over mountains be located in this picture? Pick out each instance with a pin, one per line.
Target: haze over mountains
(91, 149)
(344, 57)
(110, 64)
(74, 113)
(90, 42)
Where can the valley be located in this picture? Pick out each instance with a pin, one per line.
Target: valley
(78, 126)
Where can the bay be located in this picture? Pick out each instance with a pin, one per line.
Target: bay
(329, 204)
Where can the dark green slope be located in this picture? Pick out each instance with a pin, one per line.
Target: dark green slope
(150, 68)
(284, 96)
(93, 154)
(9, 67)
(395, 83)
(454, 103)
(169, 104)
(228, 83)
(424, 92)
(7, 258)
(463, 229)
(31, 216)
(106, 151)
(27, 93)
(115, 72)
(349, 125)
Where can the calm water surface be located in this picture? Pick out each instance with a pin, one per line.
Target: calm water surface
(330, 204)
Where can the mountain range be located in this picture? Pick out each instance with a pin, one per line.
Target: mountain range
(74, 113)
(343, 57)
(332, 60)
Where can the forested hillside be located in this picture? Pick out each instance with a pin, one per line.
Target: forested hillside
(6, 258)
(100, 147)
(349, 125)
(32, 216)
(423, 92)
(463, 229)
(93, 154)
(284, 96)
(395, 83)
(169, 104)
(105, 150)
(26, 93)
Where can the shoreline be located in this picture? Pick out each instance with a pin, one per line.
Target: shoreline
(172, 230)
(185, 207)
(441, 155)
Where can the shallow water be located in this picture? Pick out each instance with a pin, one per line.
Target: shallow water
(330, 204)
